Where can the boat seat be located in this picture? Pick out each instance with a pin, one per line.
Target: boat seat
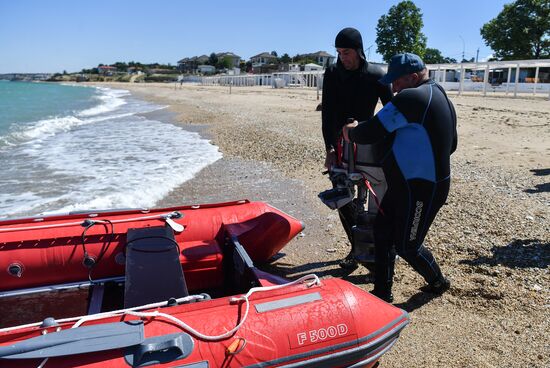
(202, 263)
(153, 268)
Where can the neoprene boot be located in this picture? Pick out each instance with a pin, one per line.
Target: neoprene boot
(439, 286)
(385, 294)
(349, 263)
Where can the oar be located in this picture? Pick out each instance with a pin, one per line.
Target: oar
(86, 339)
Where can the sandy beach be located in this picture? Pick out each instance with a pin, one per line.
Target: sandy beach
(492, 238)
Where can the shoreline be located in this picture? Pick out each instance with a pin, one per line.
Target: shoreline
(491, 239)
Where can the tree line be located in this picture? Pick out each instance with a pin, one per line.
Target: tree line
(123, 67)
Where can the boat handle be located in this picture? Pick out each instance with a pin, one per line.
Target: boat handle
(162, 349)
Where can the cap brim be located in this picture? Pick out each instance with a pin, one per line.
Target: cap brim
(387, 79)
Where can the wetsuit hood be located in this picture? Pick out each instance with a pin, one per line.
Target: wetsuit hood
(350, 38)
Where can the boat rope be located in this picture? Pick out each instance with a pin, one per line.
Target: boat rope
(156, 314)
(186, 327)
(134, 311)
(185, 299)
(87, 260)
(164, 216)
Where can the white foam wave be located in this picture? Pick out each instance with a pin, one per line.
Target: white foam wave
(47, 127)
(110, 100)
(135, 164)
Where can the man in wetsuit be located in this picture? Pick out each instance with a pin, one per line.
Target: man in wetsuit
(421, 124)
(350, 90)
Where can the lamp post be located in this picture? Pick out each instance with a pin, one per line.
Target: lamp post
(368, 51)
(463, 47)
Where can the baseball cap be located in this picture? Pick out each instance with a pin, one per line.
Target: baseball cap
(402, 64)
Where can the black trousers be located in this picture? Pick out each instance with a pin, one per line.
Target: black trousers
(409, 210)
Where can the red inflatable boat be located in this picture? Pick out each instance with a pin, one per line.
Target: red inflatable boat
(176, 287)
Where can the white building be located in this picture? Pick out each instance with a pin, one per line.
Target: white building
(263, 59)
(312, 67)
(206, 69)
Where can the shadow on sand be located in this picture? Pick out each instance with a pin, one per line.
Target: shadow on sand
(296, 271)
(416, 301)
(521, 253)
(323, 269)
(539, 188)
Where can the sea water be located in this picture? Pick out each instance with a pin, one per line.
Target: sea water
(68, 147)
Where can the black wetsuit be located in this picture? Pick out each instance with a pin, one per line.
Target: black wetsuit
(420, 124)
(350, 94)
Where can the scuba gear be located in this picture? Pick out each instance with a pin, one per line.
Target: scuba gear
(352, 188)
(336, 197)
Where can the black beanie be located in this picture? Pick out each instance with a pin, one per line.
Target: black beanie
(350, 38)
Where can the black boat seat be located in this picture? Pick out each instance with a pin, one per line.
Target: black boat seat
(153, 268)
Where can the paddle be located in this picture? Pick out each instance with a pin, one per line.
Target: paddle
(86, 339)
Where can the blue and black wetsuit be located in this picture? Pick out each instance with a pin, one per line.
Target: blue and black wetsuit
(419, 126)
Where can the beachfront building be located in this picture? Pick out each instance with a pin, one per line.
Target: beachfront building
(264, 63)
(206, 69)
(234, 59)
(106, 69)
(312, 67)
(134, 70)
(322, 58)
(263, 59)
(190, 64)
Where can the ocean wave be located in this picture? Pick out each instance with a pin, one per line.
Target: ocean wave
(110, 100)
(93, 160)
(42, 129)
(138, 163)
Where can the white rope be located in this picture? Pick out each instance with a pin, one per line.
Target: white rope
(177, 321)
(51, 226)
(134, 310)
(245, 297)
(190, 329)
(184, 299)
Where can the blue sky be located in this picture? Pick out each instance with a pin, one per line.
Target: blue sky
(57, 35)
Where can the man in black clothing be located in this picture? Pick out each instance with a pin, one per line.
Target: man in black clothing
(420, 122)
(350, 90)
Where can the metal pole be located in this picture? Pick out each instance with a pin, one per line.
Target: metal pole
(508, 79)
(485, 80)
(463, 47)
(536, 80)
(461, 87)
(317, 81)
(517, 81)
